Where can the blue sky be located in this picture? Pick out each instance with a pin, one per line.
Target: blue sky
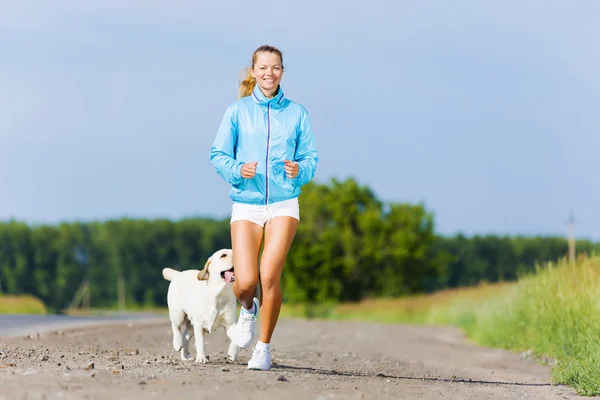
(485, 111)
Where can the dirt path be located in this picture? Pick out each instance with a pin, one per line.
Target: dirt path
(312, 360)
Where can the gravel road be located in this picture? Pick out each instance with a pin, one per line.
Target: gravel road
(312, 360)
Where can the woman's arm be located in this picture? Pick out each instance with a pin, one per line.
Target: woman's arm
(307, 155)
(223, 149)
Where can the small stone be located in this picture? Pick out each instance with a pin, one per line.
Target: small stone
(225, 369)
(282, 379)
(131, 351)
(89, 366)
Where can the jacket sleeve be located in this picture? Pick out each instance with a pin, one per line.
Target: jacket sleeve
(307, 155)
(222, 153)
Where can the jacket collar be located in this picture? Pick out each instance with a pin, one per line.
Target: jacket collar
(260, 98)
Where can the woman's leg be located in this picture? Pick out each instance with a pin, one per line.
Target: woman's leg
(279, 234)
(246, 238)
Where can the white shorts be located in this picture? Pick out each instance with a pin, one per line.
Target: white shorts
(260, 214)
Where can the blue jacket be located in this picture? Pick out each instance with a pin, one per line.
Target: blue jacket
(269, 131)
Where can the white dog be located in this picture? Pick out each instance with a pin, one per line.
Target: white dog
(203, 301)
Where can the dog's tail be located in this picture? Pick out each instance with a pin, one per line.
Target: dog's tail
(169, 273)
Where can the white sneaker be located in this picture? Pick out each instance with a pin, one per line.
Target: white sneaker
(245, 326)
(261, 359)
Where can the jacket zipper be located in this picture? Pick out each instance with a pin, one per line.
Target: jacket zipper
(267, 159)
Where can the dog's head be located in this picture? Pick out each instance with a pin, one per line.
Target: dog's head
(218, 268)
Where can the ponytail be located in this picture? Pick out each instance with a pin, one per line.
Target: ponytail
(247, 85)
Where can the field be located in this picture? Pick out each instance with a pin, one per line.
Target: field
(22, 304)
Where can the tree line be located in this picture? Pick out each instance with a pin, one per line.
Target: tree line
(349, 245)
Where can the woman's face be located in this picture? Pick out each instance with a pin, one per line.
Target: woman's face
(267, 70)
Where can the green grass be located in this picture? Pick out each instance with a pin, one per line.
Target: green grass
(554, 314)
(419, 309)
(22, 304)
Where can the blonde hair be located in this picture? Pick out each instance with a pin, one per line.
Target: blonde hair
(248, 83)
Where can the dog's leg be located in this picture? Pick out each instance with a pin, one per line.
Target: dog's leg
(176, 337)
(211, 315)
(233, 348)
(200, 352)
(177, 319)
(188, 332)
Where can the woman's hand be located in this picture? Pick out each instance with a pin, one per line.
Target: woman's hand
(291, 169)
(249, 170)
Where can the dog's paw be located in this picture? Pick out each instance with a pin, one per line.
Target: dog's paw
(186, 357)
(177, 344)
(232, 354)
(201, 360)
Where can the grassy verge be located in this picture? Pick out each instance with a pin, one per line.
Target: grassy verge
(22, 304)
(419, 309)
(554, 315)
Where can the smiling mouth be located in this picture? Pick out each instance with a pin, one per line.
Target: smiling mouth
(228, 275)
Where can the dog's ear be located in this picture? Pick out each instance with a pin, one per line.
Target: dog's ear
(203, 275)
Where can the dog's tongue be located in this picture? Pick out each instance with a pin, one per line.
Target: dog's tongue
(228, 276)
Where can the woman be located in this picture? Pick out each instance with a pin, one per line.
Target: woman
(265, 149)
